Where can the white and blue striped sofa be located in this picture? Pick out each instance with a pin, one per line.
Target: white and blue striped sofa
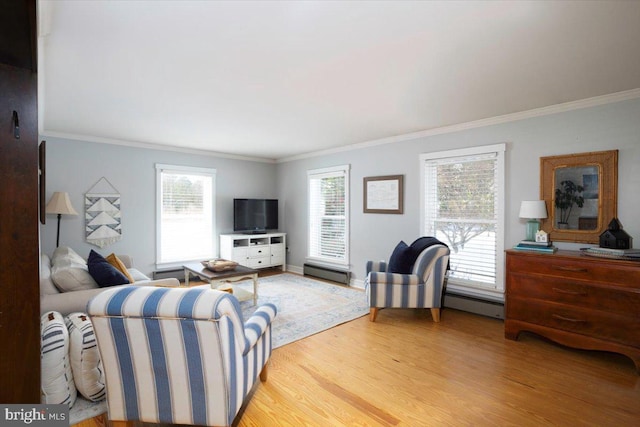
(423, 288)
(179, 355)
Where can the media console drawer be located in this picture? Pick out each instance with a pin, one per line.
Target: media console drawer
(575, 300)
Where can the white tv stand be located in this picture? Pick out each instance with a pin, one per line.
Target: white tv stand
(255, 250)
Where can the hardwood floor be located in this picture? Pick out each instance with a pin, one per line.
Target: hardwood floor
(405, 370)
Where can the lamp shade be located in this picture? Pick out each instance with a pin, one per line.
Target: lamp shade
(535, 209)
(60, 204)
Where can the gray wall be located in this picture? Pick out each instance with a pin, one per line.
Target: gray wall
(373, 236)
(75, 166)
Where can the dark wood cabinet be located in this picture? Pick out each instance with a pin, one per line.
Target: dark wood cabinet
(19, 242)
(579, 301)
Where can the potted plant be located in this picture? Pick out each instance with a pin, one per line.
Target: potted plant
(565, 197)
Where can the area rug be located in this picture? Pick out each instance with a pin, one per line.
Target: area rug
(305, 306)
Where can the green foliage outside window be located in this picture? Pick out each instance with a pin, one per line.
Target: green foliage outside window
(181, 194)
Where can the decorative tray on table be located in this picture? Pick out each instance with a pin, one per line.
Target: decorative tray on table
(218, 265)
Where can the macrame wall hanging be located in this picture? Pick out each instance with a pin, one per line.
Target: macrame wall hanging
(103, 222)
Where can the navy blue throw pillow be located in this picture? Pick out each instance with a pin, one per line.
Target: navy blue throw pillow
(104, 273)
(400, 259)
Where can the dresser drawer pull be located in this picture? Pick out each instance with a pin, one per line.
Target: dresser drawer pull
(569, 292)
(567, 319)
(573, 269)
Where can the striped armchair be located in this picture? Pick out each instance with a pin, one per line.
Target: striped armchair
(423, 288)
(178, 355)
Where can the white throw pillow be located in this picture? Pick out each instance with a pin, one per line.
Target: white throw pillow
(65, 252)
(85, 357)
(69, 271)
(46, 284)
(57, 384)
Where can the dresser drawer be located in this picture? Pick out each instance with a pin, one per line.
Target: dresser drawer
(259, 262)
(574, 292)
(598, 324)
(597, 270)
(259, 251)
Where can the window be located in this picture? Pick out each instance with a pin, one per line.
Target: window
(329, 215)
(185, 214)
(463, 206)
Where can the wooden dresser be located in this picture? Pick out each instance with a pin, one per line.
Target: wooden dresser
(575, 300)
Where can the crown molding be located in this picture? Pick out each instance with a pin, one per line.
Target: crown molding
(506, 118)
(149, 146)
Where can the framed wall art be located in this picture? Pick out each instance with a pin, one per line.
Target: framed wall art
(383, 194)
(103, 217)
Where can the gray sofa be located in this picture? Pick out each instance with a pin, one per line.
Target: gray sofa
(66, 285)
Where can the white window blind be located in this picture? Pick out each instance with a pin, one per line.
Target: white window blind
(185, 211)
(328, 192)
(463, 207)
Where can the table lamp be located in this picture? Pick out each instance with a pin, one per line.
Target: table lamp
(533, 210)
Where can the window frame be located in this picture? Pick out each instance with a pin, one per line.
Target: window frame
(185, 170)
(329, 172)
(470, 288)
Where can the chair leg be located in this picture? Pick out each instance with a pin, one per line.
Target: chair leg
(264, 373)
(435, 313)
(373, 313)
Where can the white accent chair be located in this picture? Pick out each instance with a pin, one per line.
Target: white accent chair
(179, 355)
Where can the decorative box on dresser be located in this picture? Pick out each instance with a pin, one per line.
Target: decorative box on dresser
(576, 300)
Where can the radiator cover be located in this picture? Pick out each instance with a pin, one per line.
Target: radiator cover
(326, 273)
(475, 305)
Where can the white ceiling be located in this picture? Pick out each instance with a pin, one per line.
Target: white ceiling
(278, 79)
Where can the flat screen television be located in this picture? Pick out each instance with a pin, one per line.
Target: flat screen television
(255, 215)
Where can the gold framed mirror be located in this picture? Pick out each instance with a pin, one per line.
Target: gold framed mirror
(581, 194)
